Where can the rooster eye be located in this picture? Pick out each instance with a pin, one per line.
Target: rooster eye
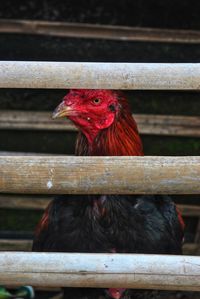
(96, 101)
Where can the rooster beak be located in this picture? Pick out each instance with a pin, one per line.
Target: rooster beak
(61, 111)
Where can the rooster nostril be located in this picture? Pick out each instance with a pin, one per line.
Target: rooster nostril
(68, 103)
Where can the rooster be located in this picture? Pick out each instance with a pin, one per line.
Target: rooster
(107, 223)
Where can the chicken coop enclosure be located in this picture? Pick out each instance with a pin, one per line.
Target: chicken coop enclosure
(46, 50)
(97, 175)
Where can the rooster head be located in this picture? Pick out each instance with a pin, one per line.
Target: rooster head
(104, 117)
(90, 110)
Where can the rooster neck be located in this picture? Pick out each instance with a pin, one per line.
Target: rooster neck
(120, 139)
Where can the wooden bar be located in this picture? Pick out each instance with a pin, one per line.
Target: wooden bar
(11, 153)
(109, 32)
(33, 120)
(100, 270)
(191, 249)
(24, 202)
(146, 76)
(168, 125)
(188, 210)
(26, 245)
(31, 202)
(15, 245)
(99, 175)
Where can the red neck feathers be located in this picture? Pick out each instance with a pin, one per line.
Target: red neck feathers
(120, 139)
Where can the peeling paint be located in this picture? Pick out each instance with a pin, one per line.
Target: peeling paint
(49, 184)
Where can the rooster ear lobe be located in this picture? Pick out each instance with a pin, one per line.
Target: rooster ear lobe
(112, 107)
(115, 107)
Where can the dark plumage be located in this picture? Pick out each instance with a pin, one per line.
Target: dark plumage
(107, 223)
(143, 224)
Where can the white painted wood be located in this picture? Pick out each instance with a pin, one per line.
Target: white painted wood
(100, 270)
(29, 74)
(99, 175)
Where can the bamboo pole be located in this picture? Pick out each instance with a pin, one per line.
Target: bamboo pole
(99, 175)
(100, 270)
(168, 125)
(150, 76)
(109, 32)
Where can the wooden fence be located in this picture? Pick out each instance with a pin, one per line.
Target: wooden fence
(153, 124)
(84, 175)
(109, 32)
(99, 175)
(174, 175)
(146, 76)
(101, 270)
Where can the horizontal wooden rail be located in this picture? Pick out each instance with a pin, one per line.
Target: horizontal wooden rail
(9, 153)
(26, 245)
(83, 30)
(15, 245)
(147, 123)
(188, 210)
(99, 175)
(160, 76)
(191, 249)
(32, 202)
(100, 270)
(33, 120)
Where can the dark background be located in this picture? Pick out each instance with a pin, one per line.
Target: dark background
(180, 14)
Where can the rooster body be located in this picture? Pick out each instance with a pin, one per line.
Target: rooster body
(107, 223)
(110, 223)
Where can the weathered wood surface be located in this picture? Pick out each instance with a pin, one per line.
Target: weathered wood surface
(40, 203)
(11, 153)
(188, 210)
(24, 202)
(15, 245)
(33, 120)
(191, 249)
(83, 30)
(26, 245)
(100, 270)
(147, 123)
(150, 76)
(99, 175)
